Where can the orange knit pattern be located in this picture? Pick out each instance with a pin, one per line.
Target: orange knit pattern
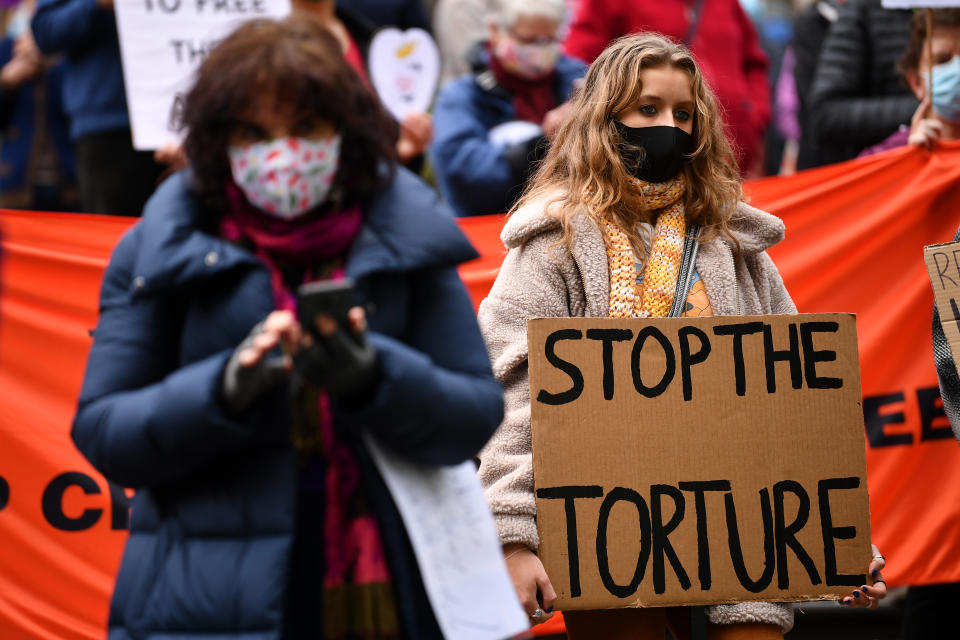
(655, 295)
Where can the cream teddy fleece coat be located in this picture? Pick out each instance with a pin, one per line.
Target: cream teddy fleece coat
(541, 277)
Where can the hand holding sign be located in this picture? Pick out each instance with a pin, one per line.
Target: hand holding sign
(404, 67)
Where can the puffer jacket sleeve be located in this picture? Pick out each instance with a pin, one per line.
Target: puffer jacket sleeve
(852, 99)
(141, 420)
(528, 286)
(437, 402)
(947, 376)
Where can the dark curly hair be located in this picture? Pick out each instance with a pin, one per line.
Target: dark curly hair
(300, 64)
(910, 61)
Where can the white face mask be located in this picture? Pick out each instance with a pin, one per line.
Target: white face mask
(286, 177)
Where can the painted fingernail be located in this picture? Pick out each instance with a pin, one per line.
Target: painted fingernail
(866, 589)
(549, 609)
(856, 594)
(875, 573)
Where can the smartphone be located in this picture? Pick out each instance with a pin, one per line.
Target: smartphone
(326, 297)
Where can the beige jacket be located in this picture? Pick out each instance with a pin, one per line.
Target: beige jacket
(540, 277)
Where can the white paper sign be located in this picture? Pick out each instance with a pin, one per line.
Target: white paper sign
(919, 4)
(514, 132)
(456, 545)
(162, 42)
(404, 68)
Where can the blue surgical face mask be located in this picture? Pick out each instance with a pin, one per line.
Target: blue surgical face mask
(946, 89)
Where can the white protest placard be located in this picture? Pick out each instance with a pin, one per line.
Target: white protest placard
(919, 4)
(404, 68)
(456, 546)
(162, 42)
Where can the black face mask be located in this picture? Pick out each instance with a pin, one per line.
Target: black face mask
(667, 149)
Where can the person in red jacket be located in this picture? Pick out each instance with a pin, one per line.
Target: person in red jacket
(722, 40)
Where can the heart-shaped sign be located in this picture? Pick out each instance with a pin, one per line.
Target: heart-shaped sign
(404, 67)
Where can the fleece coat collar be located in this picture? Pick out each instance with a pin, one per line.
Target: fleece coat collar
(754, 230)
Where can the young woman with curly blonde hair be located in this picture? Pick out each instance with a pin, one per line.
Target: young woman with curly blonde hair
(637, 211)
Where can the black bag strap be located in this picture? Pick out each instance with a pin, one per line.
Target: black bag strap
(694, 25)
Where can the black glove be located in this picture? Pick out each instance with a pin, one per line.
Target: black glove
(345, 365)
(242, 385)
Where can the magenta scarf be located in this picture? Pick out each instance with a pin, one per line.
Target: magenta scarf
(358, 602)
(311, 243)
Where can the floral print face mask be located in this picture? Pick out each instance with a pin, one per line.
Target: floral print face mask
(532, 60)
(286, 177)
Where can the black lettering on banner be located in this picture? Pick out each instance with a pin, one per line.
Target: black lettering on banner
(4, 492)
(703, 543)
(608, 337)
(736, 549)
(875, 421)
(52, 502)
(792, 355)
(119, 507)
(954, 310)
(738, 331)
(831, 533)
(942, 269)
(671, 362)
(603, 562)
(786, 535)
(811, 356)
(661, 532)
(688, 359)
(576, 376)
(929, 411)
(569, 495)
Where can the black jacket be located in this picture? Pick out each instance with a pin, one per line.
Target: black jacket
(858, 97)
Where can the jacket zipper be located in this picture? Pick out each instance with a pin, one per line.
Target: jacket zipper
(687, 264)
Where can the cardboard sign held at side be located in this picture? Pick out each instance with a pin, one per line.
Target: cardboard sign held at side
(943, 267)
(162, 42)
(404, 68)
(684, 461)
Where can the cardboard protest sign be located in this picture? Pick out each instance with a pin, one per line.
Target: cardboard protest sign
(698, 460)
(162, 42)
(943, 266)
(404, 68)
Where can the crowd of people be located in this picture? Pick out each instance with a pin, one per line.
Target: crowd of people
(616, 133)
(800, 83)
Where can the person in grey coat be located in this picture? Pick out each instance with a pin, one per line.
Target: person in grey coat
(641, 163)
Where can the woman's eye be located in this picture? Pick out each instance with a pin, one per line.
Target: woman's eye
(682, 116)
(251, 133)
(305, 128)
(647, 110)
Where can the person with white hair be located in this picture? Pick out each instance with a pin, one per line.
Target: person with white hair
(492, 126)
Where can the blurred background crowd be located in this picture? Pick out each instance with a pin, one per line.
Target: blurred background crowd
(801, 83)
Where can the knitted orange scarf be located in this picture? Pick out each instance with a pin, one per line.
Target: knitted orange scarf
(653, 298)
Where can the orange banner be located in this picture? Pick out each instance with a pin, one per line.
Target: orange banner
(855, 233)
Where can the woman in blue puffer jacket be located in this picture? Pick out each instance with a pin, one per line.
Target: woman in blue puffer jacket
(258, 512)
